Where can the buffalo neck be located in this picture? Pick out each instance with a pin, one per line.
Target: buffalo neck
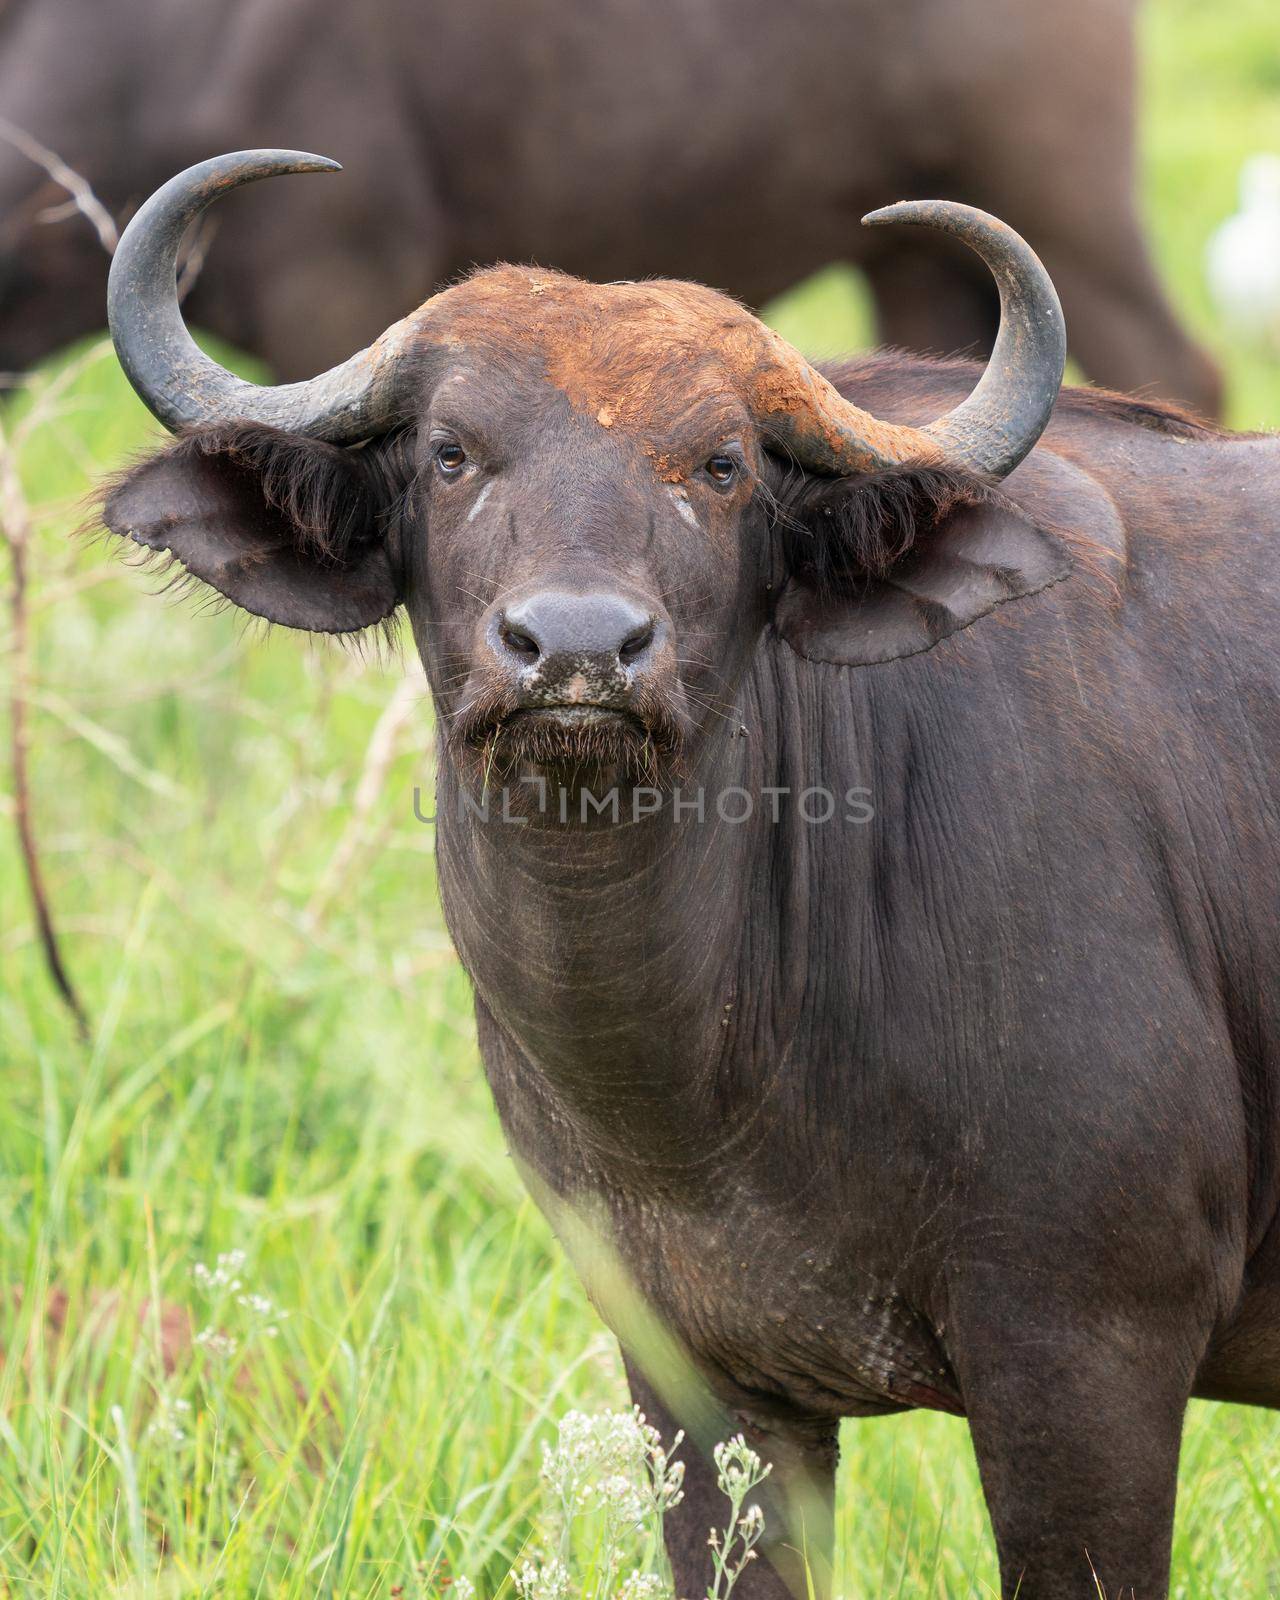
(645, 981)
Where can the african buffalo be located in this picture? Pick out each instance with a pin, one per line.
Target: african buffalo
(893, 967)
(732, 141)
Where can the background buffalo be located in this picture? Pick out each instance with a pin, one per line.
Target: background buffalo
(733, 143)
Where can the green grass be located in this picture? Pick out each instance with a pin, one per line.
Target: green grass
(283, 1063)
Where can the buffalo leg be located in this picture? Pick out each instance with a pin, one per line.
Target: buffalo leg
(797, 1500)
(929, 299)
(1123, 332)
(1076, 1432)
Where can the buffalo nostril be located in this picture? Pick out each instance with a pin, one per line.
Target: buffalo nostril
(595, 632)
(519, 642)
(636, 643)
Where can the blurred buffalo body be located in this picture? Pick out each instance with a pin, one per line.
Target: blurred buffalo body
(730, 141)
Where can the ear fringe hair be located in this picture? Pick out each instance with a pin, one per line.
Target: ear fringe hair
(330, 495)
(380, 645)
(323, 491)
(837, 532)
(319, 489)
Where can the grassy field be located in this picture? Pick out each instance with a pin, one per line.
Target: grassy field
(282, 1064)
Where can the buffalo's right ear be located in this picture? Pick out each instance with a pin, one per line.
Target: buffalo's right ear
(887, 564)
(287, 528)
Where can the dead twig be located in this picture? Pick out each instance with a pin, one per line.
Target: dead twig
(16, 533)
(15, 530)
(381, 751)
(193, 259)
(82, 197)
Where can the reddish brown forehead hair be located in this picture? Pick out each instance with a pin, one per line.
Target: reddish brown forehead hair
(650, 358)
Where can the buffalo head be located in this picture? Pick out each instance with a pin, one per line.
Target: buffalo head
(590, 499)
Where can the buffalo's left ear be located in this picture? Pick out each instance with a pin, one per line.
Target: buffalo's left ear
(288, 528)
(887, 565)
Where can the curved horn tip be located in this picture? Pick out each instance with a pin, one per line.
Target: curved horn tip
(913, 211)
(309, 163)
(280, 162)
(883, 214)
(319, 164)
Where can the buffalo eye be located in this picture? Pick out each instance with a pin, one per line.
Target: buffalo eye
(721, 469)
(450, 458)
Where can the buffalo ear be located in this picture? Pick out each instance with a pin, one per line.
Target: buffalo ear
(284, 527)
(886, 566)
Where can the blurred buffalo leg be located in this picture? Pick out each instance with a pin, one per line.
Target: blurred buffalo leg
(1121, 328)
(929, 300)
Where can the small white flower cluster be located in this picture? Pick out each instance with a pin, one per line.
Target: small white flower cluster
(642, 1586)
(613, 1462)
(612, 1472)
(221, 1345)
(462, 1589)
(543, 1580)
(222, 1283)
(739, 1470)
(167, 1424)
(223, 1277)
(737, 1464)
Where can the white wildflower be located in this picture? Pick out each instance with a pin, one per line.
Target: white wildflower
(739, 1470)
(235, 1301)
(546, 1580)
(217, 1344)
(642, 1586)
(167, 1424)
(751, 1523)
(737, 1464)
(611, 1481)
(224, 1276)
